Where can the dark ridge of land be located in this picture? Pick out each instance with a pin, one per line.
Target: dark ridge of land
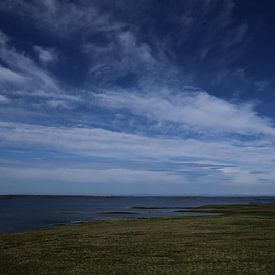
(6, 197)
(119, 212)
(241, 241)
(10, 196)
(157, 207)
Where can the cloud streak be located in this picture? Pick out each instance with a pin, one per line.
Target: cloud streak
(123, 160)
(62, 18)
(196, 111)
(45, 55)
(123, 147)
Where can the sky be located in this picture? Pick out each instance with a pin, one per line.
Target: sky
(137, 97)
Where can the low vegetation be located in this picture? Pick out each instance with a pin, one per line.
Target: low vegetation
(242, 241)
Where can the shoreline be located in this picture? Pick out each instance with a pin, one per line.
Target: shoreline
(198, 211)
(241, 240)
(125, 208)
(113, 219)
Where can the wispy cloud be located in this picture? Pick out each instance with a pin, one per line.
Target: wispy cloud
(22, 78)
(45, 55)
(196, 111)
(134, 159)
(7, 75)
(62, 18)
(245, 156)
(25, 66)
(3, 99)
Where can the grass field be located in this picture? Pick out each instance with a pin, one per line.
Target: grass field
(241, 241)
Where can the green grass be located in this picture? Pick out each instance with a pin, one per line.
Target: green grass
(241, 241)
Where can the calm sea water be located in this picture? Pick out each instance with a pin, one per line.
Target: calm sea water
(21, 213)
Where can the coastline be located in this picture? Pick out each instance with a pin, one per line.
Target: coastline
(240, 240)
(20, 213)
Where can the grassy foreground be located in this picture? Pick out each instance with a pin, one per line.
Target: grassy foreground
(241, 241)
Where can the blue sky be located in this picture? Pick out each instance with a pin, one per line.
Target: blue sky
(137, 97)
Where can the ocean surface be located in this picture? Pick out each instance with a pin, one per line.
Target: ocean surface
(22, 213)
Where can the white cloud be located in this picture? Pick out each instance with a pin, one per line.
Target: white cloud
(3, 38)
(262, 85)
(156, 160)
(197, 111)
(45, 55)
(121, 146)
(124, 54)
(7, 75)
(130, 48)
(28, 79)
(58, 103)
(24, 66)
(62, 18)
(4, 99)
(121, 176)
(240, 176)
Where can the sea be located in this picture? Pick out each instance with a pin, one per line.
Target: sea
(23, 213)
